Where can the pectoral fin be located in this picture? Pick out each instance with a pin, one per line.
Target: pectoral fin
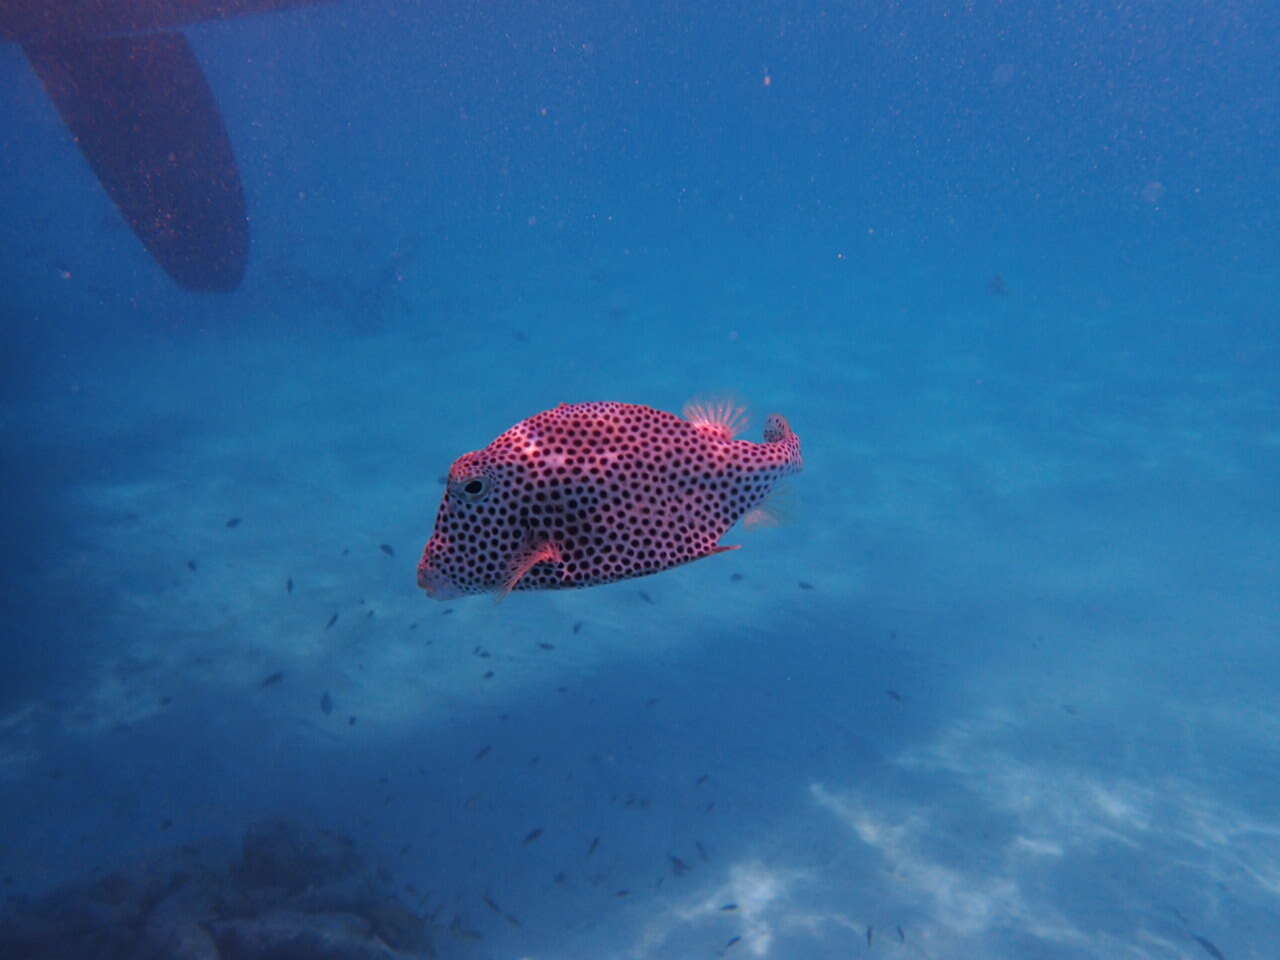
(543, 551)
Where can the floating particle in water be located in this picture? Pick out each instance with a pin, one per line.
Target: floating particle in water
(326, 704)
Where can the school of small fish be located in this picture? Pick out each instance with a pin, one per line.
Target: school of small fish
(592, 493)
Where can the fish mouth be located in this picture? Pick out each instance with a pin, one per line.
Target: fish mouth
(436, 584)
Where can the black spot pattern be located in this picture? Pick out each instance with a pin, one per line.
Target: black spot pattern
(599, 492)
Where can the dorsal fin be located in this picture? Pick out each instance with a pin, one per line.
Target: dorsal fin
(720, 417)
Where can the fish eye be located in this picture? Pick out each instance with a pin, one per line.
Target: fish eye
(474, 489)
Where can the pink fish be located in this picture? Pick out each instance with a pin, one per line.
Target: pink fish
(591, 493)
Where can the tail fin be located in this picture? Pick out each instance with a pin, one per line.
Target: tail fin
(778, 431)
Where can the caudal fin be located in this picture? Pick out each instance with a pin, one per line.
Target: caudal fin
(778, 431)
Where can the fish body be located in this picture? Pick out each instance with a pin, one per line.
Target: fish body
(592, 493)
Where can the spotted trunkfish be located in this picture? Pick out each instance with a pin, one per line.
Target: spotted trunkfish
(592, 493)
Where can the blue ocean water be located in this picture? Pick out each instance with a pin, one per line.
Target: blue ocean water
(1002, 685)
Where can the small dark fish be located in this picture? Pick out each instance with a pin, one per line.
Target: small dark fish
(894, 695)
(488, 902)
(233, 523)
(996, 287)
(729, 907)
(351, 721)
(702, 779)
(806, 585)
(560, 877)
(533, 835)
(902, 937)
(488, 675)
(651, 701)
(732, 941)
(462, 933)
(483, 752)
(702, 851)
(547, 646)
(166, 824)
(332, 621)
(1068, 708)
(272, 679)
(645, 597)
(387, 549)
(870, 930)
(480, 652)
(577, 627)
(678, 867)
(735, 578)
(288, 585)
(511, 919)
(595, 842)
(326, 704)
(191, 565)
(1209, 948)
(622, 893)
(165, 701)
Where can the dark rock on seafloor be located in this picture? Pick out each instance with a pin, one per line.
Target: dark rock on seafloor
(292, 894)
